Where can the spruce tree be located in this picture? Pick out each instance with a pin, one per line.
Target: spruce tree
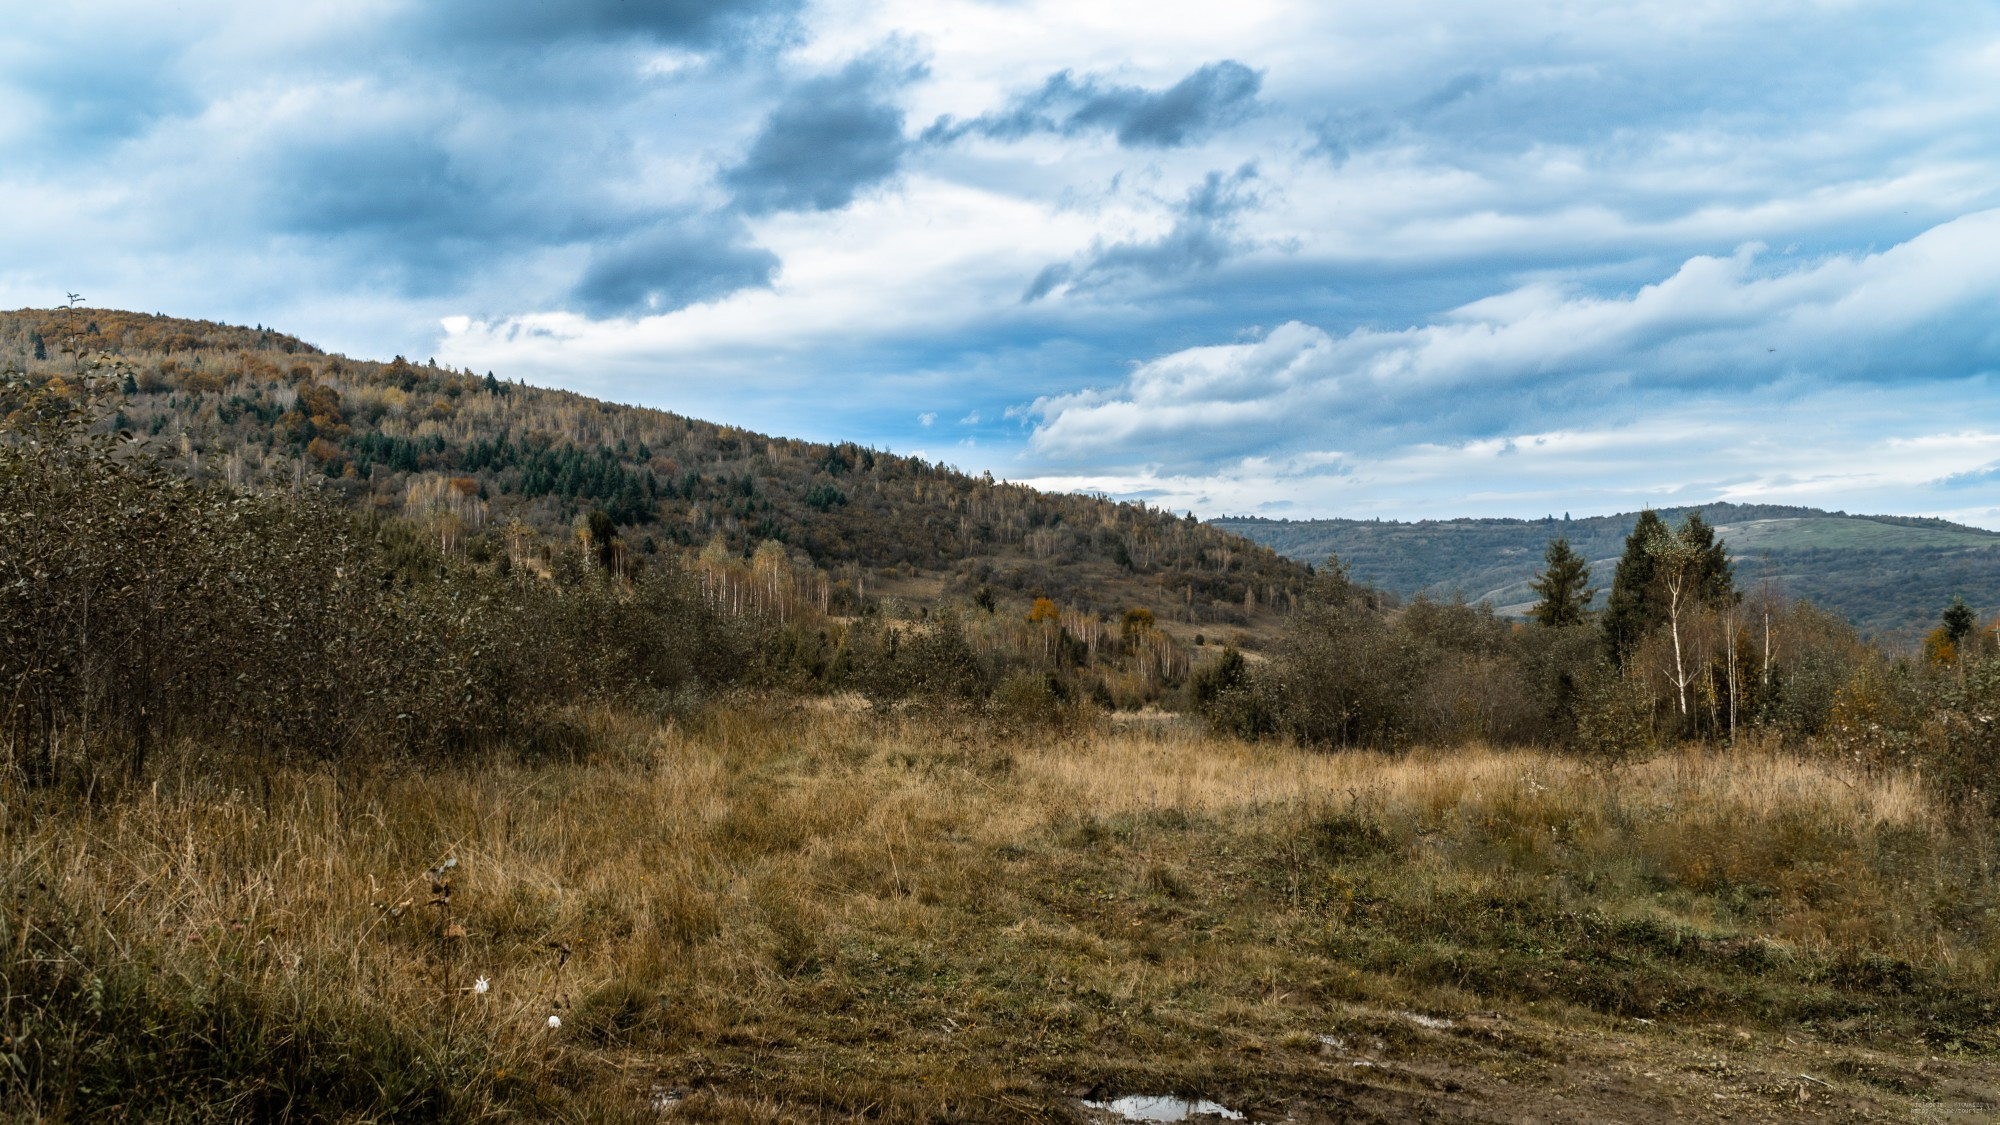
(1715, 575)
(1564, 588)
(1629, 612)
(1958, 620)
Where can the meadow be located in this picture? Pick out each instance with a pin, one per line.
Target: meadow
(803, 909)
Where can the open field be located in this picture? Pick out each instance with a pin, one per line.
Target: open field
(1840, 532)
(803, 912)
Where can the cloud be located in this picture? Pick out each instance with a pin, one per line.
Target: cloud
(535, 22)
(425, 189)
(1539, 354)
(394, 178)
(927, 419)
(1985, 476)
(830, 138)
(402, 151)
(96, 93)
(1834, 455)
(1215, 96)
(1202, 236)
(672, 264)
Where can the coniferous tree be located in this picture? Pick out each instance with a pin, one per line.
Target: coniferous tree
(1630, 611)
(1564, 587)
(1958, 620)
(600, 537)
(1714, 574)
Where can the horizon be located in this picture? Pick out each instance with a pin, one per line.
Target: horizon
(1387, 262)
(1572, 517)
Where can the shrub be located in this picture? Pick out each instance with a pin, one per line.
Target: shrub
(1342, 676)
(1029, 700)
(1614, 715)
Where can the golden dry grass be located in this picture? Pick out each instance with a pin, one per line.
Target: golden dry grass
(808, 911)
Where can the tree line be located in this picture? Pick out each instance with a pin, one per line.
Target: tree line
(1678, 652)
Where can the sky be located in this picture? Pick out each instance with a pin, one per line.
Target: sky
(1420, 259)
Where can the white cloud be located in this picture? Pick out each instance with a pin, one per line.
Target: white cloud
(1910, 313)
(1766, 447)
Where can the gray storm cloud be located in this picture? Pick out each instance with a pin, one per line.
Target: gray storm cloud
(1212, 97)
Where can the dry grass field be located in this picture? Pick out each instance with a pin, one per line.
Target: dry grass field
(778, 911)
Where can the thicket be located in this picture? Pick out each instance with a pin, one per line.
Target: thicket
(138, 607)
(1355, 669)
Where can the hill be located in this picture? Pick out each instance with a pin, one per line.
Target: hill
(491, 468)
(1890, 575)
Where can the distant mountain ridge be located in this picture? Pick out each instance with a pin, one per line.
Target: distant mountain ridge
(1890, 575)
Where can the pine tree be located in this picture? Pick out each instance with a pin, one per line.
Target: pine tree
(1630, 611)
(1564, 588)
(1958, 620)
(600, 537)
(1714, 575)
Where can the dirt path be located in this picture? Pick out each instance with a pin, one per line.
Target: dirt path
(1490, 1067)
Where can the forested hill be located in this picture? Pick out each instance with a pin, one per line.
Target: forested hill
(488, 466)
(1890, 575)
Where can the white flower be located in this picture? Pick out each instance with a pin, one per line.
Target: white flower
(481, 985)
(555, 1022)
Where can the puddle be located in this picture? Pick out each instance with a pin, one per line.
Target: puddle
(1160, 1107)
